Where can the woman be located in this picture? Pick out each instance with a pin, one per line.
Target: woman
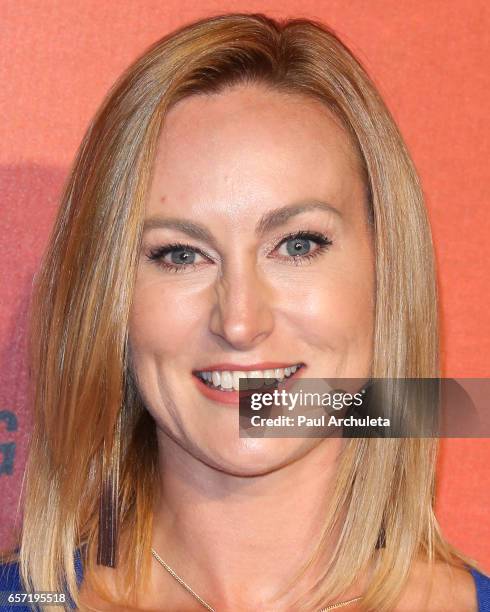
(242, 204)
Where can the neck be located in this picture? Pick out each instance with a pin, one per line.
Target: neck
(217, 529)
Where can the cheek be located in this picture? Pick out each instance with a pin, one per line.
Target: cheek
(335, 308)
(162, 320)
(337, 314)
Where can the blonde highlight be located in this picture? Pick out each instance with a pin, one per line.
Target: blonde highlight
(84, 397)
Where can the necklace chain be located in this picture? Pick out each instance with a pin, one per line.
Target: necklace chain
(210, 608)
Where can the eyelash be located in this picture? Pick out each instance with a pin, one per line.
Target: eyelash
(156, 255)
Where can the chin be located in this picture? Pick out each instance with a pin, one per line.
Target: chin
(255, 456)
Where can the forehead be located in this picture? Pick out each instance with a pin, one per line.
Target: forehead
(252, 141)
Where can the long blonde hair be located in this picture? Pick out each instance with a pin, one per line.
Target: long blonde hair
(83, 389)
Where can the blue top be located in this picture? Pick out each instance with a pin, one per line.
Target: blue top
(10, 581)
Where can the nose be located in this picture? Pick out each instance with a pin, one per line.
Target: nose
(242, 313)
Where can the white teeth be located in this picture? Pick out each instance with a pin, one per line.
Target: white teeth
(269, 377)
(279, 373)
(230, 380)
(226, 380)
(258, 377)
(236, 380)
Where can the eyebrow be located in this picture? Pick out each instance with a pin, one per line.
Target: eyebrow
(269, 221)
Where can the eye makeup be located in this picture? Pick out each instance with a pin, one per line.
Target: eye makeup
(183, 255)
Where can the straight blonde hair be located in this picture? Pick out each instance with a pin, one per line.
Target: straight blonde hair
(82, 384)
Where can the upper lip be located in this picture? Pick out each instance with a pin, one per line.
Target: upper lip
(263, 365)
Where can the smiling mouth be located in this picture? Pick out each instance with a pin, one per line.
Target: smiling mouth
(230, 380)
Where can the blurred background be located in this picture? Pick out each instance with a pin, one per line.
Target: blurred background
(428, 58)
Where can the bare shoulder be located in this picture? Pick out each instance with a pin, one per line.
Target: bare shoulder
(439, 588)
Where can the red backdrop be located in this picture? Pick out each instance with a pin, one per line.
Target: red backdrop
(429, 60)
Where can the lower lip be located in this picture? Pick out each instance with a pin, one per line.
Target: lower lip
(233, 397)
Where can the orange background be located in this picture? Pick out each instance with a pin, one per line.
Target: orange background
(429, 59)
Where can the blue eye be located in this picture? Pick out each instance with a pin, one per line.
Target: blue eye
(176, 257)
(300, 247)
(182, 256)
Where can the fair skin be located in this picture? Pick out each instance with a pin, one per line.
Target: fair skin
(239, 515)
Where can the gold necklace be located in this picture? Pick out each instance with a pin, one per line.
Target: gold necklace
(211, 609)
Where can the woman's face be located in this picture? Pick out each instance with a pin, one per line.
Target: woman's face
(256, 256)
